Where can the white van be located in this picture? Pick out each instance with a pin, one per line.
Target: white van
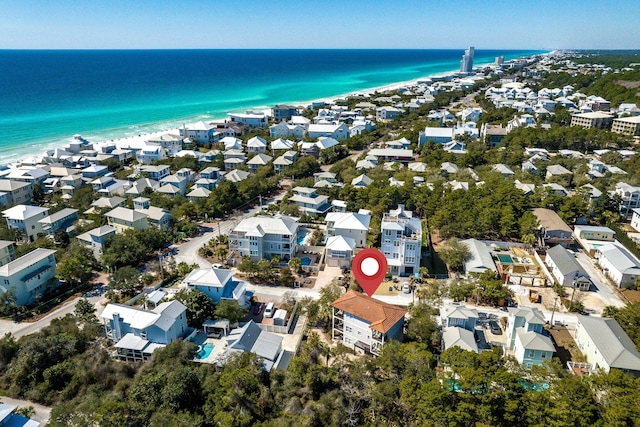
(268, 312)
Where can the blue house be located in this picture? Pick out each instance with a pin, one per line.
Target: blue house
(136, 333)
(527, 338)
(217, 284)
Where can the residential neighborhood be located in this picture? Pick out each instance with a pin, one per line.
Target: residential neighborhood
(504, 199)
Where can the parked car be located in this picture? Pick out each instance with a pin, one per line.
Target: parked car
(495, 328)
(270, 310)
(257, 308)
(482, 315)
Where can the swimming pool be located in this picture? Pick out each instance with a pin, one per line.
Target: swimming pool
(505, 259)
(205, 350)
(305, 260)
(302, 234)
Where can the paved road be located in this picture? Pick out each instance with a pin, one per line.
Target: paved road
(26, 328)
(42, 412)
(604, 289)
(188, 251)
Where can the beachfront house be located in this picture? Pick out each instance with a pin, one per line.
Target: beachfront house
(26, 220)
(137, 333)
(401, 235)
(218, 284)
(251, 119)
(365, 324)
(200, 132)
(263, 237)
(29, 276)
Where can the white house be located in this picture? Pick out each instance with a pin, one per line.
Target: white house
(339, 251)
(25, 219)
(437, 135)
(606, 345)
(309, 202)
(629, 198)
(401, 241)
(137, 333)
(618, 264)
(635, 219)
(338, 131)
(566, 269)
(350, 225)
(96, 238)
(254, 120)
(29, 276)
(479, 259)
(150, 153)
(365, 324)
(286, 130)
(263, 237)
(201, 132)
(218, 284)
(256, 145)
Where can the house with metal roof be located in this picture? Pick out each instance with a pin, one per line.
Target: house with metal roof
(29, 276)
(310, 202)
(265, 236)
(606, 345)
(251, 338)
(479, 259)
(61, 220)
(566, 270)
(26, 219)
(618, 264)
(526, 336)
(137, 333)
(339, 251)
(12, 192)
(348, 224)
(454, 336)
(217, 283)
(96, 238)
(123, 219)
(457, 315)
(364, 324)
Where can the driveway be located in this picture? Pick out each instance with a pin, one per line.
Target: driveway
(604, 289)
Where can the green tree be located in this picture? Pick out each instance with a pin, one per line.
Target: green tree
(286, 277)
(8, 300)
(231, 310)
(85, 311)
(295, 265)
(199, 306)
(125, 280)
(77, 265)
(454, 254)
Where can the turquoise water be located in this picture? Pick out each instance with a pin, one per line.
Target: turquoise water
(205, 350)
(48, 96)
(302, 234)
(505, 259)
(305, 261)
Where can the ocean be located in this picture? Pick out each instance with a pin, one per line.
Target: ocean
(47, 96)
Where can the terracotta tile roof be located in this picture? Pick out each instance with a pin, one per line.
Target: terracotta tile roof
(380, 315)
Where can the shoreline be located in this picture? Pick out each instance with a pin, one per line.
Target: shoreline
(168, 126)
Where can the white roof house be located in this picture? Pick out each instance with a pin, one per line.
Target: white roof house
(479, 258)
(453, 336)
(618, 264)
(606, 345)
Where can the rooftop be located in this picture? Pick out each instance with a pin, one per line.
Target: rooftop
(380, 315)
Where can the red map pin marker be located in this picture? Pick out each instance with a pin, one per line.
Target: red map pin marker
(369, 267)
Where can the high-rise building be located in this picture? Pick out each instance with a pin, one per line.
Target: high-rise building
(499, 60)
(466, 64)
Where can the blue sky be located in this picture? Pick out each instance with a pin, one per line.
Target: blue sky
(115, 24)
